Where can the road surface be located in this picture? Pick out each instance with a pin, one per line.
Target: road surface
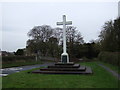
(7, 71)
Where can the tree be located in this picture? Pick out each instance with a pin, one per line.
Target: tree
(109, 36)
(117, 32)
(74, 39)
(19, 52)
(41, 33)
(48, 41)
(53, 47)
(110, 42)
(73, 35)
(57, 33)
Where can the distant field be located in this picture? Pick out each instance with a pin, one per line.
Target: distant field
(99, 79)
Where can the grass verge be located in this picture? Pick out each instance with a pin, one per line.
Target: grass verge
(112, 67)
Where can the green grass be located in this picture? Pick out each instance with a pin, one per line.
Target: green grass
(99, 79)
(112, 67)
(0, 83)
(15, 64)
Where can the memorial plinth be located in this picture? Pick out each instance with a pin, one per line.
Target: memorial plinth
(68, 68)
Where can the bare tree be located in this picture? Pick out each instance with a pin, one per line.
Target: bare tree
(41, 33)
(73, 35)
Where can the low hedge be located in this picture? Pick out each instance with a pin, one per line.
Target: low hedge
(17, 58)
(110, 57)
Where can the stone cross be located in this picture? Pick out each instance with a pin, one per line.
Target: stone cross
(64, 56)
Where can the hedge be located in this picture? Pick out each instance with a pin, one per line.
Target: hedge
(110, 57)
(17, 58)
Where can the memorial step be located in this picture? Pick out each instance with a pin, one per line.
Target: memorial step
(87, 71)
(65, 66)
(81, 68)
(60, 63)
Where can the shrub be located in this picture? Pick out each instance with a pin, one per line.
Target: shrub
(110, 57)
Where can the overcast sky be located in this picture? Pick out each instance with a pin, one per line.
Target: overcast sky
(19, 17)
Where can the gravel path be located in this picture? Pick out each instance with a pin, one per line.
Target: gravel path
(109, 70)
(7, 71)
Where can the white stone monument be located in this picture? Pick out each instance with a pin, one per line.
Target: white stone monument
(64, 55)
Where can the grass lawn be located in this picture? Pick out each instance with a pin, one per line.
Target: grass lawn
(99, 79)
(0, 83)
(113, 67)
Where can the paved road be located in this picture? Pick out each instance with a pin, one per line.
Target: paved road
(7, 71)
(109, 70)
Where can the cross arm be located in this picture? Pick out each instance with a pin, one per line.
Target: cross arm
(67, 23)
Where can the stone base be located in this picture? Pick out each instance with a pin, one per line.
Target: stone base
(67, 68)
(64, 58)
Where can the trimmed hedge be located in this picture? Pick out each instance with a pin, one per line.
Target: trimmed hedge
(17, 58)
(110, 57)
